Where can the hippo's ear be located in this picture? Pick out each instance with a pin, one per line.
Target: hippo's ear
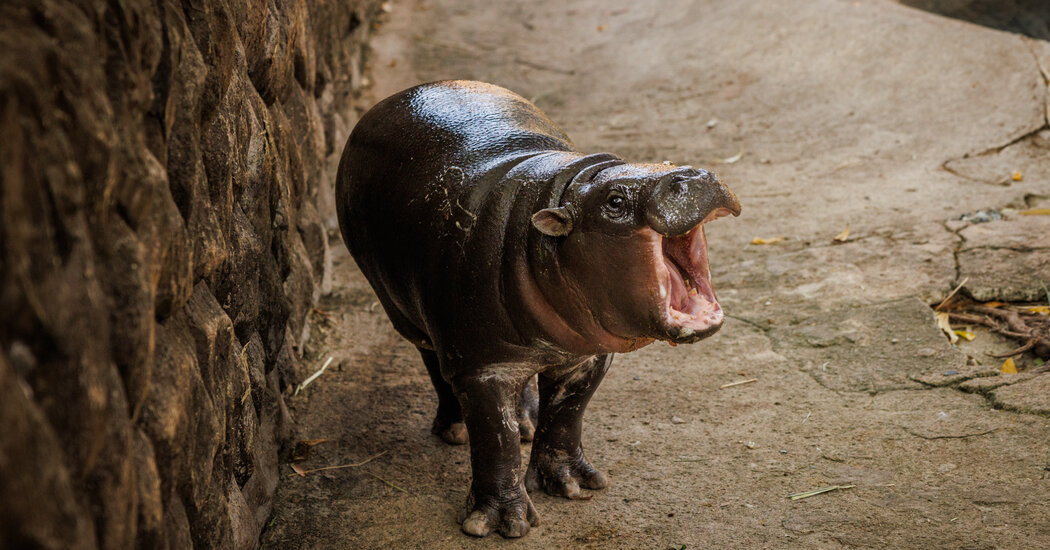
(556, 222)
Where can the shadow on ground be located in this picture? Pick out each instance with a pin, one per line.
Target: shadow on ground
(1028, 17)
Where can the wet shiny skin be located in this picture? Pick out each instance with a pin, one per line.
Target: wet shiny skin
(504, 253)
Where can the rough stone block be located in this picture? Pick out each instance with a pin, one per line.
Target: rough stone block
(160, 247)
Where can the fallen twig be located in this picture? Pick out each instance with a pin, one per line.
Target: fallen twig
(950, 294)
(1013, 320)
(815, 492)
(961, 436)
(387, 482)
(1029, 345)
(354, 465)
(1032, 330)
(312, 377)
(738, 383)
(972, 319)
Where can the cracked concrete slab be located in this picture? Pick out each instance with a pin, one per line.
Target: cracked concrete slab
(1029, 396)
(1041, 51)
(1016, 232)
(862, 349)
(999, 166)
(843, 112)
(995, 380)
(1007, 260)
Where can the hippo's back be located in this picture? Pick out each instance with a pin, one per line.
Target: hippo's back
(458, 122)
(417, 167)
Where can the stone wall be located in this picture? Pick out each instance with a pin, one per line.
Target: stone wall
(163, 169)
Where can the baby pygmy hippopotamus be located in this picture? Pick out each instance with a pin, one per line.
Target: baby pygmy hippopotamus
(502, 252)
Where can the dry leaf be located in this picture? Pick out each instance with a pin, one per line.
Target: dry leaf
(1035, 212)
(772, 240)
(1009, 367)
(298, 469)
(841, 237)
(1017, 176)
(965, 334)
(946, 326)
(993, 304)
(1041, 310)
(312, 442)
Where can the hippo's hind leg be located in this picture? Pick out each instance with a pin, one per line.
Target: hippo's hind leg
(448, 422)
(557, 463)
(497, 500)
(528, 409)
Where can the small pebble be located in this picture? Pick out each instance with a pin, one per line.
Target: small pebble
(750, 444)
(982, 216)
(951, 372)
(637, 377)
(783, 451)
(677, 420)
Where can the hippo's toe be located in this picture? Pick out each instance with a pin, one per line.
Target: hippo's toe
(453, 433)
(562, 474)
(512, 517)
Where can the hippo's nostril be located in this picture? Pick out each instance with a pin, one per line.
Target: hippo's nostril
(679, 186)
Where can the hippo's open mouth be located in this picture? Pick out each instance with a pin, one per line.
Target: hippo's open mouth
(690, 307)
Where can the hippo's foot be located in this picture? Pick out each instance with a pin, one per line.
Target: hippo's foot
(509, 515)
(562, 474)
(454, 432)
(528, 410)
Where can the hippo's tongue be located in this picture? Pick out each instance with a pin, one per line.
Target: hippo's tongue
(691, 301)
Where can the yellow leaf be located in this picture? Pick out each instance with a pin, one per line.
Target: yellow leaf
(1041, 310)
(1009, 367)
(1035, 212)
(993, 304)
(298, 469)
(965, 334)
(946, 326)
(841, 237)
(760, 240)
(1017, 176)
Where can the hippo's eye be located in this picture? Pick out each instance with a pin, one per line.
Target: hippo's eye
(615, 202)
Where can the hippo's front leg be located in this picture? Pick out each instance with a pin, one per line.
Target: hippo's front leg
(557, 463)
(497, 499)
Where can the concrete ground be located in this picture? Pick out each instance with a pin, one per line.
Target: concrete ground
(821, 115)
